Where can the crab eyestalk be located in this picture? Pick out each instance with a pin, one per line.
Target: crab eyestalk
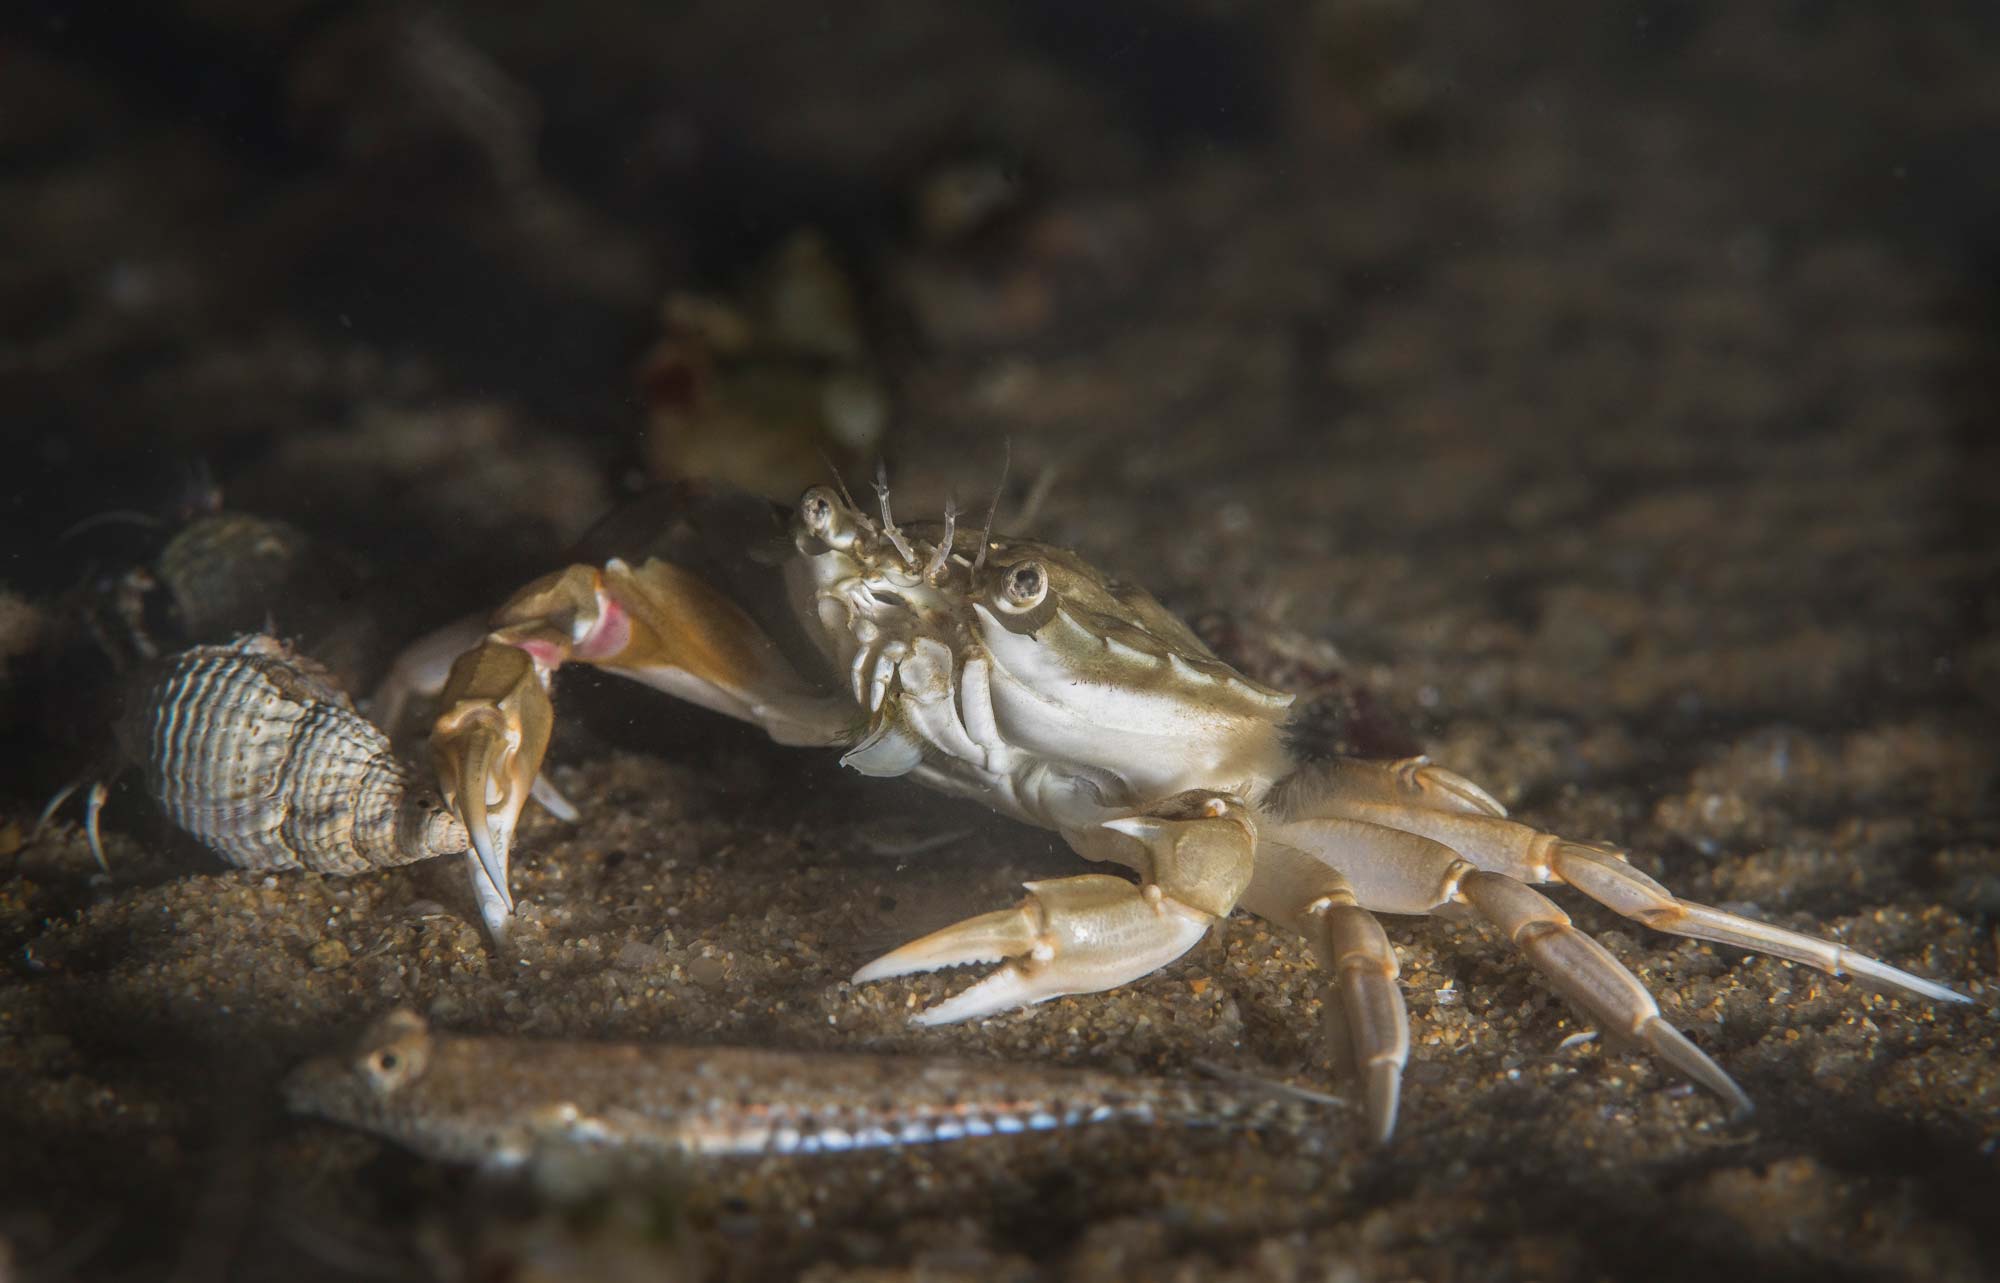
(487, 746)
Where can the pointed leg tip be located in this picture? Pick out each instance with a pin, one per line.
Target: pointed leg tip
(1385, 1090)
(552, 800)
(1672, 1046)
(55, 804)
(1938, 993)
(1736, 1101)
(1879, 974)
(1923, 988)
(93, 809)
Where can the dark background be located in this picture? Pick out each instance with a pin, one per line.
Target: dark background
(1599, 396)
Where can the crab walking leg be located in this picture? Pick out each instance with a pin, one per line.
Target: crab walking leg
(1365, 1015)
(1530, 855)
(657, 624)
(1606, 878)
(1095, 932)
(93, 808)
(1386, 871)
(1586, 973)
(1410, 781)
(1397, 871)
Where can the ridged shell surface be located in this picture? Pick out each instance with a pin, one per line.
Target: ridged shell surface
(253, 749)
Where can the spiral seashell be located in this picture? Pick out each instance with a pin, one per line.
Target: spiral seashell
(253, 749)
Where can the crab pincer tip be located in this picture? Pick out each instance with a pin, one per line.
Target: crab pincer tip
(490, 855)
(495, 911)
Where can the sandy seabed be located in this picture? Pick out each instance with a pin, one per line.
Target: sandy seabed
(1609, 398)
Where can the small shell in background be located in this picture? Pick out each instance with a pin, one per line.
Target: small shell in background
(222, 569)
(256, 751)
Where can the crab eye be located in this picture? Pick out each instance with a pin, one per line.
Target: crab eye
(1026, 584)
(823, 522)
(817, 509)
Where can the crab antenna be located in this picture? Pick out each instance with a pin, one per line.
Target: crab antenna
(889, 531)
(993, 510)
(839, 482)
(117, 516)
(1038, 494)
(941, 555)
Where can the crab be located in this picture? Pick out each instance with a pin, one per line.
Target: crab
(1013, 672)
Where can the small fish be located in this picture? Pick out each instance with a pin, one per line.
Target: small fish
(506, 1102)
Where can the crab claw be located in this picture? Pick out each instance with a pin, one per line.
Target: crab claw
(1073, 935)
(487, 746)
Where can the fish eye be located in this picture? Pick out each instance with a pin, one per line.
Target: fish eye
(382, 1067)
(389, 1068)
(1025, 585)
